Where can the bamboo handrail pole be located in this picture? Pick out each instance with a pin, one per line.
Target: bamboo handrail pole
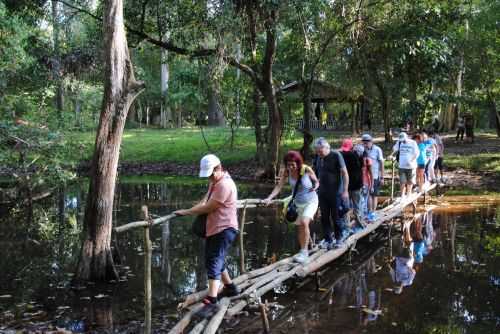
(242, 231)
(250, 203)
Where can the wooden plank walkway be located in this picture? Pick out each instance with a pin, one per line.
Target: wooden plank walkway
(256, 283)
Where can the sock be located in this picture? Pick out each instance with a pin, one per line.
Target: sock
(212, 300)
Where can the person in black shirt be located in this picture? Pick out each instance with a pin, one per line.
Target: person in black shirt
(333, 178)
(354, 166)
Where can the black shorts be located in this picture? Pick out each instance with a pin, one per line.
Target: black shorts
(439, 163)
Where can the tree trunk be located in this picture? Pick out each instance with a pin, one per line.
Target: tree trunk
(215, 115)
(268, 91)
(412, 92)
(385, 102)
(494, 113)
(165, 76)
(120, 90)
(353, 119)
(306, 131)
(260, 140)
(275, 130)
(56, 60)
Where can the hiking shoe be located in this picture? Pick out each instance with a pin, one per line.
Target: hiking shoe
(229, 291)
(208, 310)
(302, 257)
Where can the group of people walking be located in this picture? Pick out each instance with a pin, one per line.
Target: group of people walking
(337, 182)
(420, 160)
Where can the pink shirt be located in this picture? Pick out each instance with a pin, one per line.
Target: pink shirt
(224, 217)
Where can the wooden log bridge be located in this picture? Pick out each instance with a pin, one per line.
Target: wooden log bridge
(254, 284)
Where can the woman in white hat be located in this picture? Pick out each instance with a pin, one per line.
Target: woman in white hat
(221, 228)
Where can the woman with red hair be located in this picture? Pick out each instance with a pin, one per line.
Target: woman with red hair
(306, 198)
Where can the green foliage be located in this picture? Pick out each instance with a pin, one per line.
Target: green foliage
(37, 155)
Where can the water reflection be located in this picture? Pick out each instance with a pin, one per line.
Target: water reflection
(454, 256)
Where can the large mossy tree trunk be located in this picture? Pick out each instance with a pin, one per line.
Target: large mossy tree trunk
(120, 90)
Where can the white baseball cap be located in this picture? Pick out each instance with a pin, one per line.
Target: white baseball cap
(207, 165)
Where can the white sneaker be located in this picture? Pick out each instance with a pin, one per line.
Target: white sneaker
(302, 256)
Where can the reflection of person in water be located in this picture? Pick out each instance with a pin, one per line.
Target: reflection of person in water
(401, 269)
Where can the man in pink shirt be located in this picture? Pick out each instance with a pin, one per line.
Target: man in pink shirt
(222, 229)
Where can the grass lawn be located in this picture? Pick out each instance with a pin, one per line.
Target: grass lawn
(480, 162)
(180, 145)
(187, 146)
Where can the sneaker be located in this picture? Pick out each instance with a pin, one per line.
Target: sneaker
(302, 256)
(338, 244)
(208, 310)
(323, 244)
(372, 216)
(229, 291)
(357, 229)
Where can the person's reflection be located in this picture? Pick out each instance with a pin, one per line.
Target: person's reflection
(401, 268)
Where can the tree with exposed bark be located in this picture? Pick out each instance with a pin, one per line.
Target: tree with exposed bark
(120, 90)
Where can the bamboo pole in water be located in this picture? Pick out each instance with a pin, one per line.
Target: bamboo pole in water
(242, 232)
(147, 272)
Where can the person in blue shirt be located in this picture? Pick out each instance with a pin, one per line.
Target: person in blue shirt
(421, 160)
(431, 156)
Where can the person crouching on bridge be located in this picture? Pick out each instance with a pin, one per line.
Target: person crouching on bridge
(306, 198)
(221, 229)
(334, 180)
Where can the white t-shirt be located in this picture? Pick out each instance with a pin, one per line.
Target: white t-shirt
(376, 156)
(439, 144)
(408, 153)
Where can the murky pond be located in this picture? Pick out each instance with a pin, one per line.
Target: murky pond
(455, 288)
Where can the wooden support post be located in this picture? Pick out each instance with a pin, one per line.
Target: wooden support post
(392, 183)
(147, 272)
(265, 320)
(242, 245)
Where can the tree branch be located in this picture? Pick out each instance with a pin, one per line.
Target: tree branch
(141, 34)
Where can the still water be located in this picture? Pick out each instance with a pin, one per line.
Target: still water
(455, 285)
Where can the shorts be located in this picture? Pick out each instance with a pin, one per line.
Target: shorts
(421, 166)
(216, 248)
(439, 163)
(407, 176)
(307, 210)
(375, 191)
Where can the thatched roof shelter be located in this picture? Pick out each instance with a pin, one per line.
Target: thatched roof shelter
(322, 92)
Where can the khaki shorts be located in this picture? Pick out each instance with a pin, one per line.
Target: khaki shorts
(307, 210)
(407, 176)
